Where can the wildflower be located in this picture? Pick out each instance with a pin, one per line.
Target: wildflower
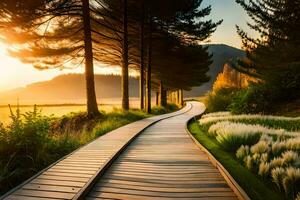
(277, 175)
(278, 147)
(276, 162)
(292, 177)
(256, 157)
(264, 169)
(260, 147)
(264, 157)
(242, 152)
(266, 138)
(289, 157)
(249, 162)
(293, 144)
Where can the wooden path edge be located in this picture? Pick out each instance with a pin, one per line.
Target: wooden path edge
(100, 172)
(237, 189)
(86, 189)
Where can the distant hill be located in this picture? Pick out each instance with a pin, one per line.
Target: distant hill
(221, 54)
(70, 88)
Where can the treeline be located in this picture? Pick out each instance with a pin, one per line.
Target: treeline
(159, 39)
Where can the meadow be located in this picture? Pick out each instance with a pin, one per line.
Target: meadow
(262, 152)
(55, 110)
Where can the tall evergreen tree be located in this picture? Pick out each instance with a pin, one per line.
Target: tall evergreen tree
(52, 34)
(183, 19)
(274, 57)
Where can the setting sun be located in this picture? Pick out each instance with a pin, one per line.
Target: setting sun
(16, 74)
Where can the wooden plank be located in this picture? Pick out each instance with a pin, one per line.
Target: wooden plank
(166, 175)
(72, 171)
(91, 169)
(53, 188)
(63, 178)
(63, 174)
(20, 197)
(217, 176)
(163, 189)
(166, 181)
(144, 197)
(36, 193)
(56, 182)
(153, 184)
(162, 194)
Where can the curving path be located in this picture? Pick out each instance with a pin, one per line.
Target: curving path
(153, 158)
(163, 163)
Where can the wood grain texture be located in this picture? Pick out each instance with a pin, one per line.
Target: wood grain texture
(163, 163)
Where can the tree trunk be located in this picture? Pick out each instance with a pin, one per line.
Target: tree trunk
(148, 88)
(157, 98)
(181, 97)
(178, 96)
(142, 67)
(163, 95)
(125, 82)
(92, 107)
(174, 97)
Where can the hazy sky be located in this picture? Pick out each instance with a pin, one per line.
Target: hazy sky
(14, 74)
(232, 14)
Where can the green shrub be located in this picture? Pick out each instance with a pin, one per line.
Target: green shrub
(257, 98)
(159, 110)
(219, 100)
(24, 147)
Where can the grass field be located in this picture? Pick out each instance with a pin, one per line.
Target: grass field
(50, 110)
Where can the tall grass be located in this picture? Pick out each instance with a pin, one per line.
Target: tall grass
(252, 184)
(278, 122)
(272, 154)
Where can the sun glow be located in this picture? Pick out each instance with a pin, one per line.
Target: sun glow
(14, 73)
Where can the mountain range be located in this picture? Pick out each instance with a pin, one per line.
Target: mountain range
(70, 88)
(221, 54)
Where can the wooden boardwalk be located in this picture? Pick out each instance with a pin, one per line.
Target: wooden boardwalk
(163, 163)
(160, 163)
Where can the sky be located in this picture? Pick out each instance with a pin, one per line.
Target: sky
(14, 74)
(232, 15)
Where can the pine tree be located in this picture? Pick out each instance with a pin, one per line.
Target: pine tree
(274, 57)
(180, 19)
(52, 34)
